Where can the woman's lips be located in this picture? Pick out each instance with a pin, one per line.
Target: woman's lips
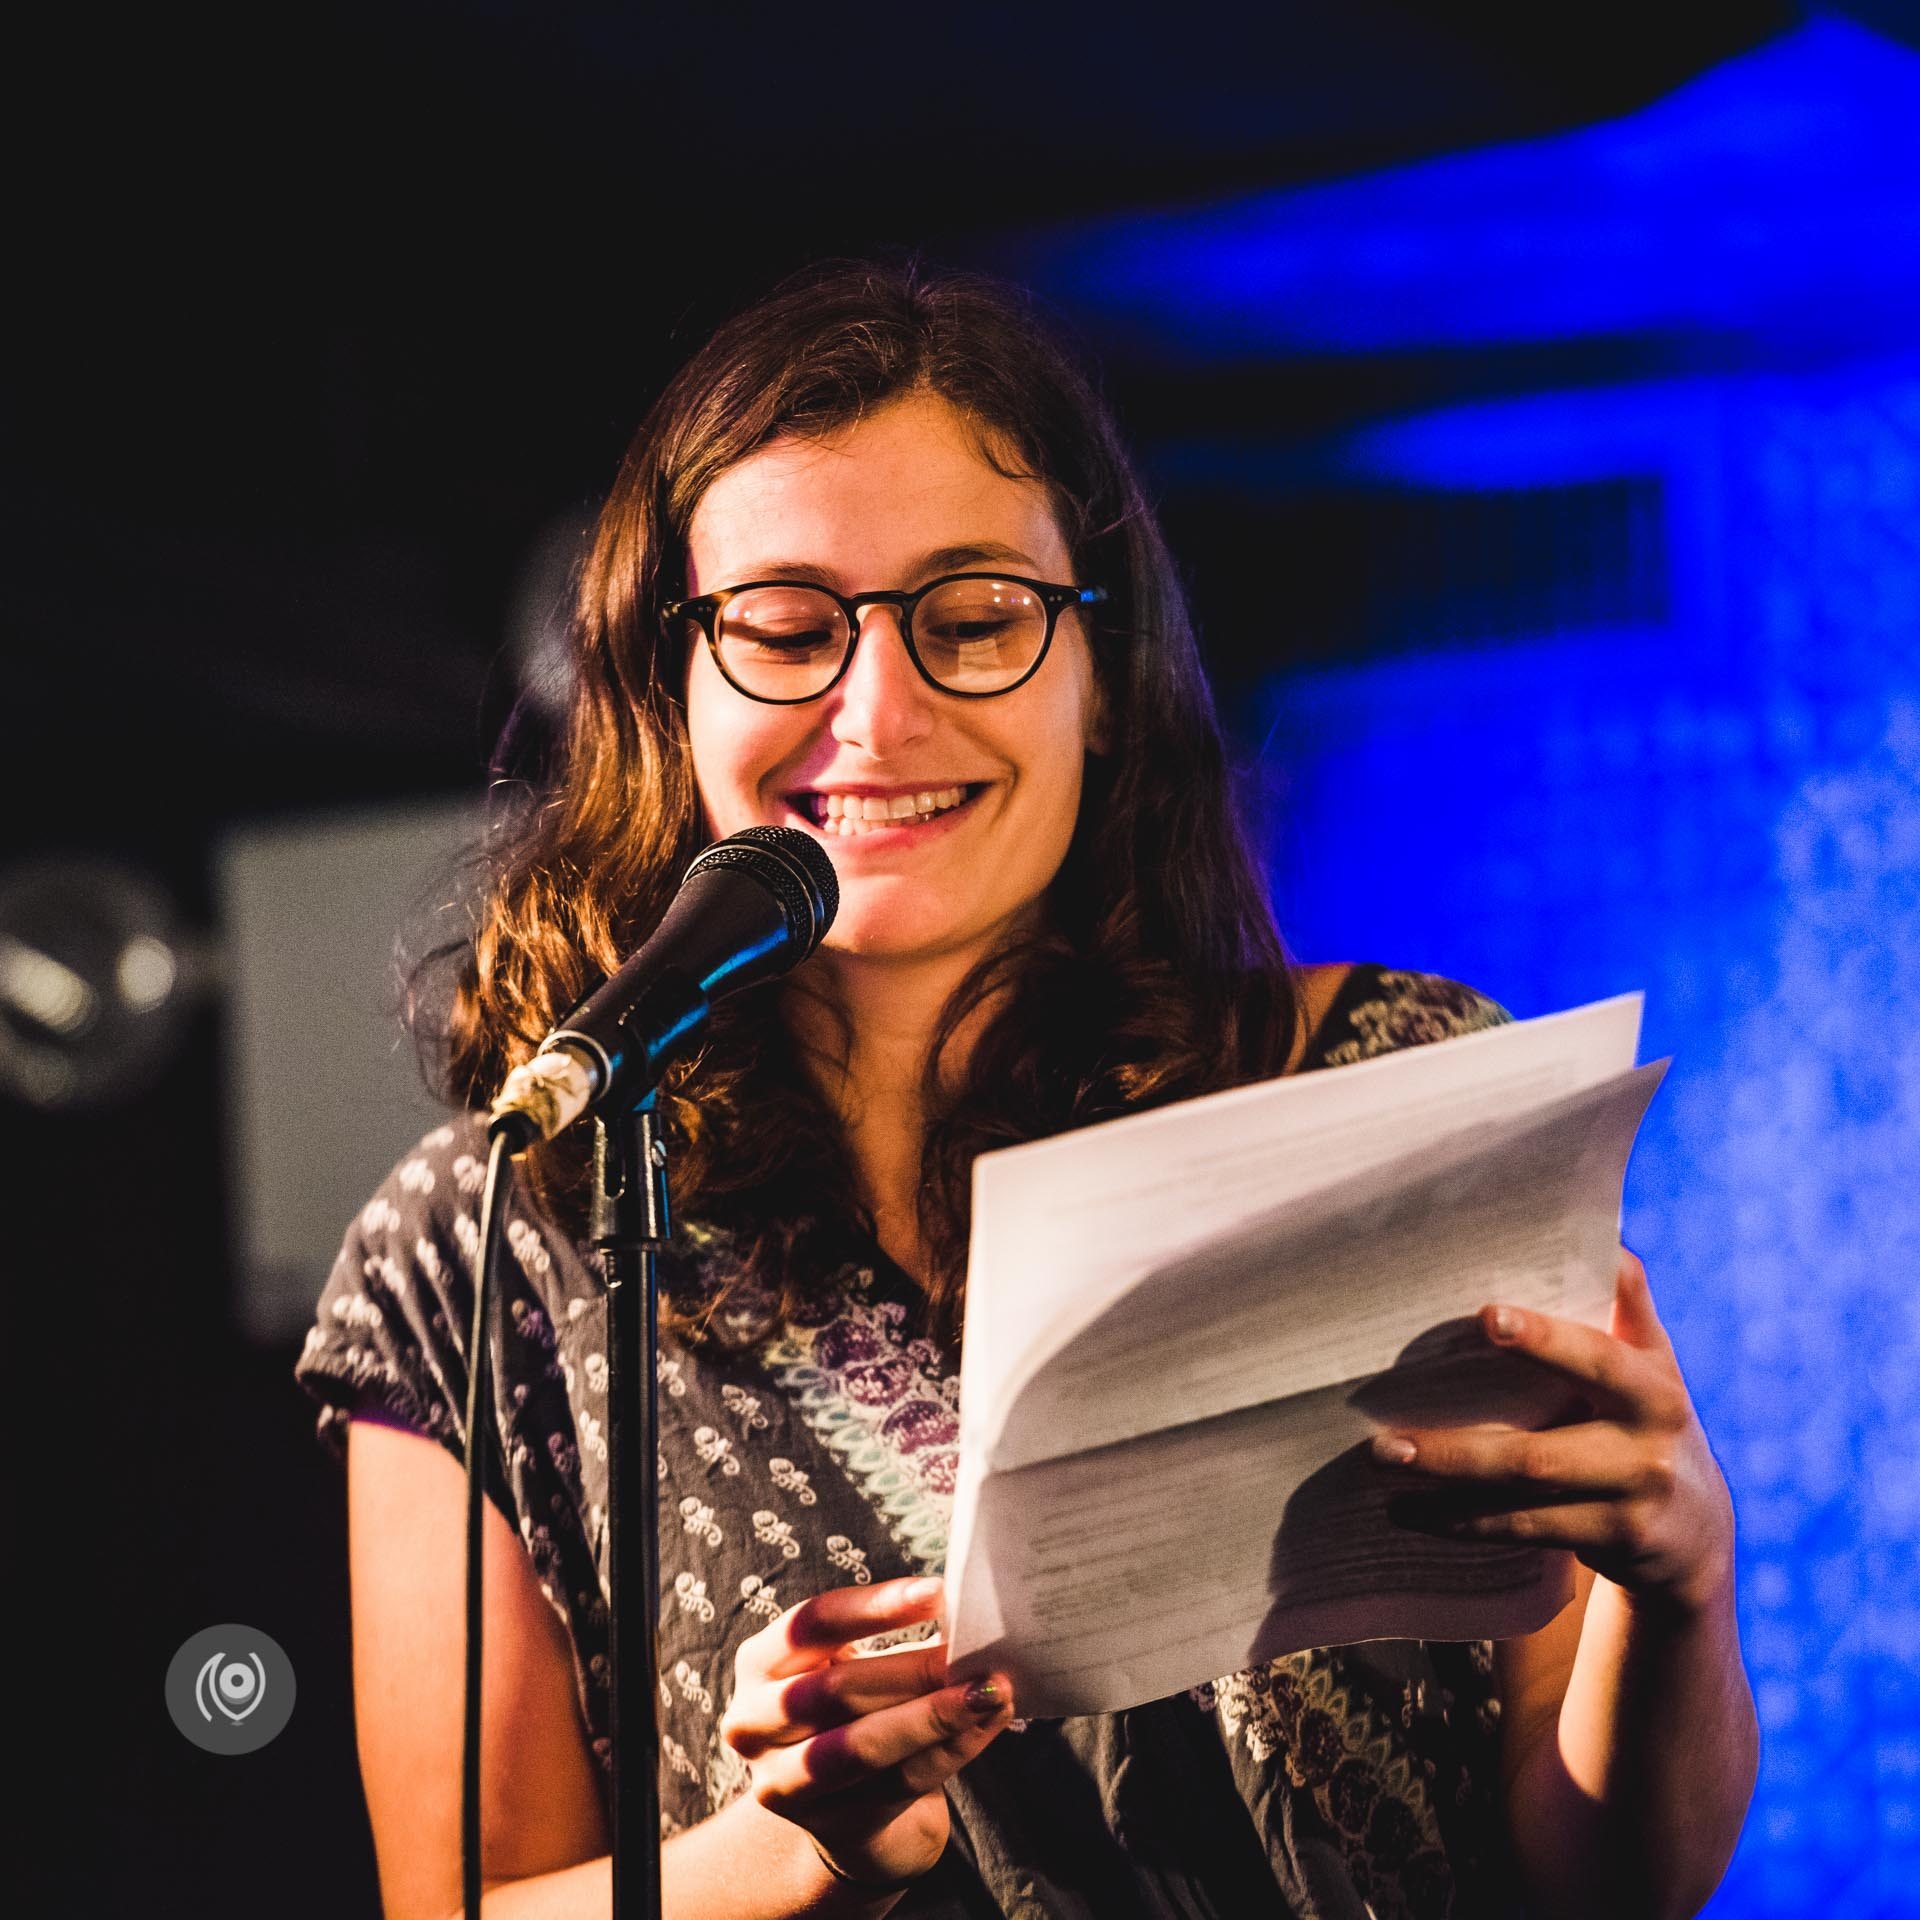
(843, 831)
(883, 807)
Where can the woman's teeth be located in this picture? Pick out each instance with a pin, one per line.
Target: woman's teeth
(855, 813)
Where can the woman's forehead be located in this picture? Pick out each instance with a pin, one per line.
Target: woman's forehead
(897, 489)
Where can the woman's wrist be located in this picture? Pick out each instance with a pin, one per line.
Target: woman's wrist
(748, 1863)
(1703, 1597)
(857, 1885)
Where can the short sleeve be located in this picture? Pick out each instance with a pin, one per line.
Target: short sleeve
(390, 1331)
(1383, 1010)
(391, 1338)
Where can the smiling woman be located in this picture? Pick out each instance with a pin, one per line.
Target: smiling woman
(879, 502)
(1081, 929)
(877, 568)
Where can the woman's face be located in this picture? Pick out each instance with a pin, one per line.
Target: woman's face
(894, 501)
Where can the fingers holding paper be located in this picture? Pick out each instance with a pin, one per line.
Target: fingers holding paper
(854, 1747)
(1632, 1488)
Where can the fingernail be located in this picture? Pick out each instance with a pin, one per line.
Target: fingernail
(1393, 1449)
(918, 1592)
(986, 1698)
(1503, 1323)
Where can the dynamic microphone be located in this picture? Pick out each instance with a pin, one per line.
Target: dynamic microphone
(751, 906)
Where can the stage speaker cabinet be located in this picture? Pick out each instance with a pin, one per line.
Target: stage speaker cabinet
(324, 1089)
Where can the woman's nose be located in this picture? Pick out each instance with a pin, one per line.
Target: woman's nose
(882, 705)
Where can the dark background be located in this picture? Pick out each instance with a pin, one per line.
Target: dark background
(322, 320)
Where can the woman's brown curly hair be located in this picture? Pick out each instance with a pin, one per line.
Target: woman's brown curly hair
(1158, 973)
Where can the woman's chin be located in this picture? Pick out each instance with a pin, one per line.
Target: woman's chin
(876, 930)
(884, 942)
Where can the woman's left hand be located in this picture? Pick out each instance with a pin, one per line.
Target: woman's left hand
(1633, 1489)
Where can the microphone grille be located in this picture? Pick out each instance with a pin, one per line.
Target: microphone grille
(793, 867)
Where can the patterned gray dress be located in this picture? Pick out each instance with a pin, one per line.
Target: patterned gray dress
(1328, 1785)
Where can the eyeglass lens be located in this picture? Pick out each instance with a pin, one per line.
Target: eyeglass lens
(972, 636)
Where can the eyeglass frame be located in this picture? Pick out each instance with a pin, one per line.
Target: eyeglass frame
(703, 609)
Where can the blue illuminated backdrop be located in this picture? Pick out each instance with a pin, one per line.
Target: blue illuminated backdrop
(1736, 829)
(1707, 787)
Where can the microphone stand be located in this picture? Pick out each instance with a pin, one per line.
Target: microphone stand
(630, 1228)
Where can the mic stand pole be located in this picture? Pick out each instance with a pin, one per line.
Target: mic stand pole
(630, 1228)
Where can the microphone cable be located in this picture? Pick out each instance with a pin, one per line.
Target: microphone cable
(493, 1209)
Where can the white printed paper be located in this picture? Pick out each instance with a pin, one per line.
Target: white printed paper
(1183, 1327)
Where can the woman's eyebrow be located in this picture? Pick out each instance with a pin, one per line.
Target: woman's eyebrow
(951, 559)
(954, 559)
(786, 570)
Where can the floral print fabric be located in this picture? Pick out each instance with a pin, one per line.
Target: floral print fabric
(1329, 1785)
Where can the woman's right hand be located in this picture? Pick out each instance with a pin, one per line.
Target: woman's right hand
(855, 1748)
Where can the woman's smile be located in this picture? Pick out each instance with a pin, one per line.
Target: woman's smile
(891, 816)
(947, 817)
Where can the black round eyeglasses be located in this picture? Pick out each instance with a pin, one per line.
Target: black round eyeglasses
(970, 634)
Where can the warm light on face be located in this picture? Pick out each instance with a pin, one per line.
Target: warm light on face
(947, 818)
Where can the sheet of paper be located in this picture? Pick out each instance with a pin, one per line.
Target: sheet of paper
(1196, 1318)
(1064, 1227)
